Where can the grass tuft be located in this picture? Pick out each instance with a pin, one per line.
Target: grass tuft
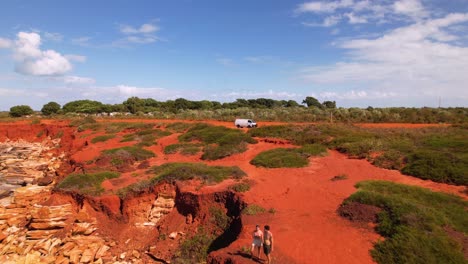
(89, 183)
(288, 157)
(102, 138)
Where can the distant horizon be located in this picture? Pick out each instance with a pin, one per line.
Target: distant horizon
(359, 53)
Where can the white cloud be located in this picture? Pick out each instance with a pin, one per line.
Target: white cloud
(77, 58)
(53, 36)
(10, 92)
(143, 29)
(5, 43)
(416, 60)
(325, 6)
(31, 60)
(411, 8)
(353, 19)
(77, 80)
(364, 11)
(249, 94)
(327, 22)
(356, 94)
(144, 34)
(81, 41)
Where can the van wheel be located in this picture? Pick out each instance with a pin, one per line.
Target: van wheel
(238, 126)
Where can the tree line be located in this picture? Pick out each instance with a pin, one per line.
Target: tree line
(310, 110)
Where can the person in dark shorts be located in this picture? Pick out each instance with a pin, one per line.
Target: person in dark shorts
(267, 243)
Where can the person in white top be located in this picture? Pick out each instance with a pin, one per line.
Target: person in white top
(257, 241)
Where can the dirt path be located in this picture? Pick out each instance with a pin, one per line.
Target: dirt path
(306, 226)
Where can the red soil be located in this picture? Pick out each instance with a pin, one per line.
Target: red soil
(305, 224)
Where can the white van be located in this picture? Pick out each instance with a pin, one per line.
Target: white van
(245, 123)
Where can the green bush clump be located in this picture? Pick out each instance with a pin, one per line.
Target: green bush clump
(414, 222)
(287, 157)
(179, 127)
(183, 172)
(189, 171)
(220, 141)
(183, 148)
(219, 218)
(115, 127)
(194, 249)
(102, 138)
(21, 110)
(88, 183)
(134, 152)
(253, 209)
(145, 137)
(240, 187)
(437, 166)
(296, 134)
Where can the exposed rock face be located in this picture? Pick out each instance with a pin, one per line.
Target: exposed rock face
(35, 233)
(23, 163)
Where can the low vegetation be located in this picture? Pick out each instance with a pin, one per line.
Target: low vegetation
(438, 154)
(418, 224)
(288, 157)
(102, 138)
(182, 172)
(183, 148)
(88, 183)
(219, 141)
(179, 127)
(253, 209)
(194, 249)
(240, 187)
(145, 137)
(134, 152)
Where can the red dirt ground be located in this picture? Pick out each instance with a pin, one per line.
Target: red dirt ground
(305, 224)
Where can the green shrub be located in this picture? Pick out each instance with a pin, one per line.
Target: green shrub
(145, 137)
(312, 150)
(35, 121)
(89, 183)
(221, 141)
(189, 171)
(20, 110)
(253, 209)
(414, 222)
(296, 134)
(183, 172)
(391, 159)
(115, 127)
(440, 167)
(50, 108)
(240, 187)
(280, 158)
(214, 152)
(194, 249)
(287, 157)
(102, 138)
(134, 152)
(179, 127)
(219, 218)
(183, 148)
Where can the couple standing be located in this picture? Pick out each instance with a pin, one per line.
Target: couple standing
(264, 238)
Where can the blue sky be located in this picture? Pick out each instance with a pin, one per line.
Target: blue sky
(357, 52)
